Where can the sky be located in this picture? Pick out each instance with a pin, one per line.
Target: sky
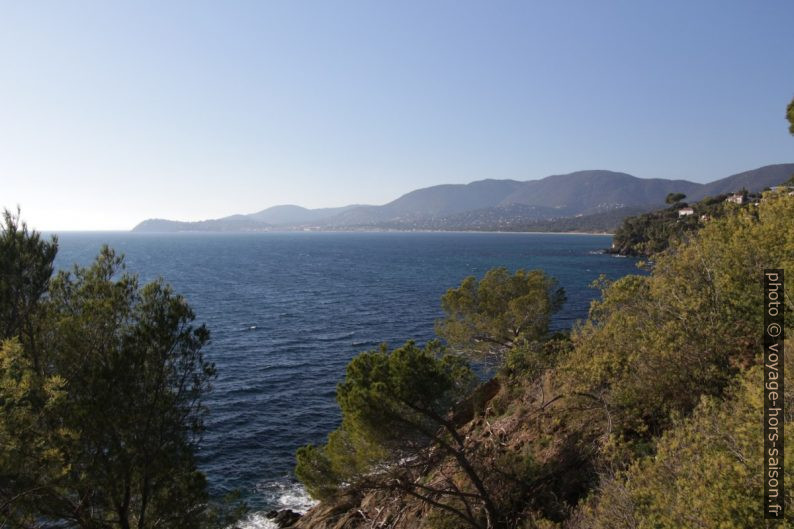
(114, 112)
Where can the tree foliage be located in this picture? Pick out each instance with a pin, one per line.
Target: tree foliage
(500, 310)
(790, 116)
(674, 198)
(653, 345)
(665, 379)
(100, 425)
(25, 270)
(654, 232)
(705, 471)
(30, 462)
(397, 418)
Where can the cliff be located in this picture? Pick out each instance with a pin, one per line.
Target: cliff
(512, 427)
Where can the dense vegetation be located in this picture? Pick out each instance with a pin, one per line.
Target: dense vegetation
(101, 388)
(646, 416)
(604, 222)
(650, 233)
(521, 218)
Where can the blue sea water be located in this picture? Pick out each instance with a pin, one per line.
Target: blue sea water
(288, 311)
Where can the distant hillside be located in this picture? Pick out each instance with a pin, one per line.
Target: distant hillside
(492, 204)
(292, 215)
(753, 181)
(235, 223)
(430, 202)
(591, 191)
(450, 199)
(519, 217)
(604, 222)
(579, 193)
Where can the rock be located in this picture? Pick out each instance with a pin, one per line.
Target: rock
(285, 518)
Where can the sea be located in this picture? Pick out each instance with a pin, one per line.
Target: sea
(287, 312)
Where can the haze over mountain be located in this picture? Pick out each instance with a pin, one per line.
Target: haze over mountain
(291, 214)
(491, 204)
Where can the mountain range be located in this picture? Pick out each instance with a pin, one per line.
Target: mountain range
(596, 198)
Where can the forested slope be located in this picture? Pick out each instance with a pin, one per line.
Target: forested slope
(646, 415)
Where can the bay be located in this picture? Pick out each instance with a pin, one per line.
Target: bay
(287, 311)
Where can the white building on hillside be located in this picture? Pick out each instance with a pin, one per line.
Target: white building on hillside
(737, 198)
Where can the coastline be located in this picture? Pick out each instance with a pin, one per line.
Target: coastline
(239, 232)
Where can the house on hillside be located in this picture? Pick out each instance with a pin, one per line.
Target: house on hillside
(737, 198)
(685, 212)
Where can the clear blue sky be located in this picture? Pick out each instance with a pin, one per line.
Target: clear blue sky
(114, 112)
